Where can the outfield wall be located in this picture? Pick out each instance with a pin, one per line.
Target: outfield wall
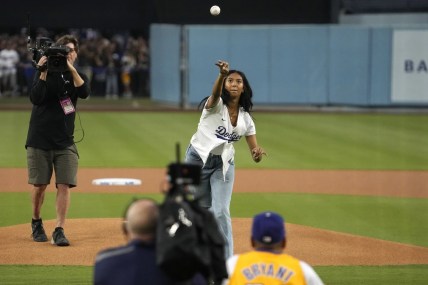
(322, 65)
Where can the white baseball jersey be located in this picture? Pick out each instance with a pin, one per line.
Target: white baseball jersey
(216, 135)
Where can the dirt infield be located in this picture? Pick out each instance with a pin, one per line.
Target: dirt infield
(318, 247)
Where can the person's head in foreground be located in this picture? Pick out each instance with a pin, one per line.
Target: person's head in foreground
(268, 232)
(141, 219)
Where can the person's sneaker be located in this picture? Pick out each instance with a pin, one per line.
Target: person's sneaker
(58, 237)
(38, 233)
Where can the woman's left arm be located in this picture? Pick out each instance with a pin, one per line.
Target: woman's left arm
(256, 151)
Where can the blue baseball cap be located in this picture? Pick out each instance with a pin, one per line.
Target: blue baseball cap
(268, 228)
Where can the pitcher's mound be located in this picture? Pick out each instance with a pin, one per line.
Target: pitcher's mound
(88, 236)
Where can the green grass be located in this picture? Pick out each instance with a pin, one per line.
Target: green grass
(374, 275)
(402, 220)
(345, 141)
(332, 275)
(396, 219)
(292, 141)
(15, 207)
(45, 275)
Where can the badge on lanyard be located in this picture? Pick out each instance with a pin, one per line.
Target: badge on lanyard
(67, 106)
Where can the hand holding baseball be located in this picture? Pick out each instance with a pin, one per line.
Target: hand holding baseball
(257, 153)
(224, 67)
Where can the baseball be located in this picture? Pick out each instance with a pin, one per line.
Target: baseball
(215, 10)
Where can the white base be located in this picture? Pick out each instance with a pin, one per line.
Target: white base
(116, 181)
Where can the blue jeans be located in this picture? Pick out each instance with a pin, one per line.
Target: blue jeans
(215, 193)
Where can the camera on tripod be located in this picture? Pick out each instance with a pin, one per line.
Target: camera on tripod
(56, 54)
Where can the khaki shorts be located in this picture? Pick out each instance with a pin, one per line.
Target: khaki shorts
(41, 164)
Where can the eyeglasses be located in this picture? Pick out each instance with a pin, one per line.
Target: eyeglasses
(72, 49)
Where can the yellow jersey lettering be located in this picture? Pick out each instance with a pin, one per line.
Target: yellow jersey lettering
(289, 275)
(267, 268)
(281, 272)
(255, 269)
(247, 273)
(270, 271)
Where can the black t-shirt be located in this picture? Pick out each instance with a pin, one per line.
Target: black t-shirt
(50, 128)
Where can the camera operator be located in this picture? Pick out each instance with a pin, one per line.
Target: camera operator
(135, 262)
(50, 141)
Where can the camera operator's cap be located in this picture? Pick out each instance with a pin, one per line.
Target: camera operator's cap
(268, 228)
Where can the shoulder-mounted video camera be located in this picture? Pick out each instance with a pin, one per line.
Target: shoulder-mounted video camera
(184, 174)
(56, 54)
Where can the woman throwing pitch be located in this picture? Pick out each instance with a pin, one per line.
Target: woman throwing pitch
(225, 119)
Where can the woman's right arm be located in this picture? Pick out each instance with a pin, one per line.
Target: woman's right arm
(216, 93)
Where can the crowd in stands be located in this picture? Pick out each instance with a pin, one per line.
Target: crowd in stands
(117, 64)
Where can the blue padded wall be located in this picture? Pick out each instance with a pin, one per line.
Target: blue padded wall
(285, 64)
